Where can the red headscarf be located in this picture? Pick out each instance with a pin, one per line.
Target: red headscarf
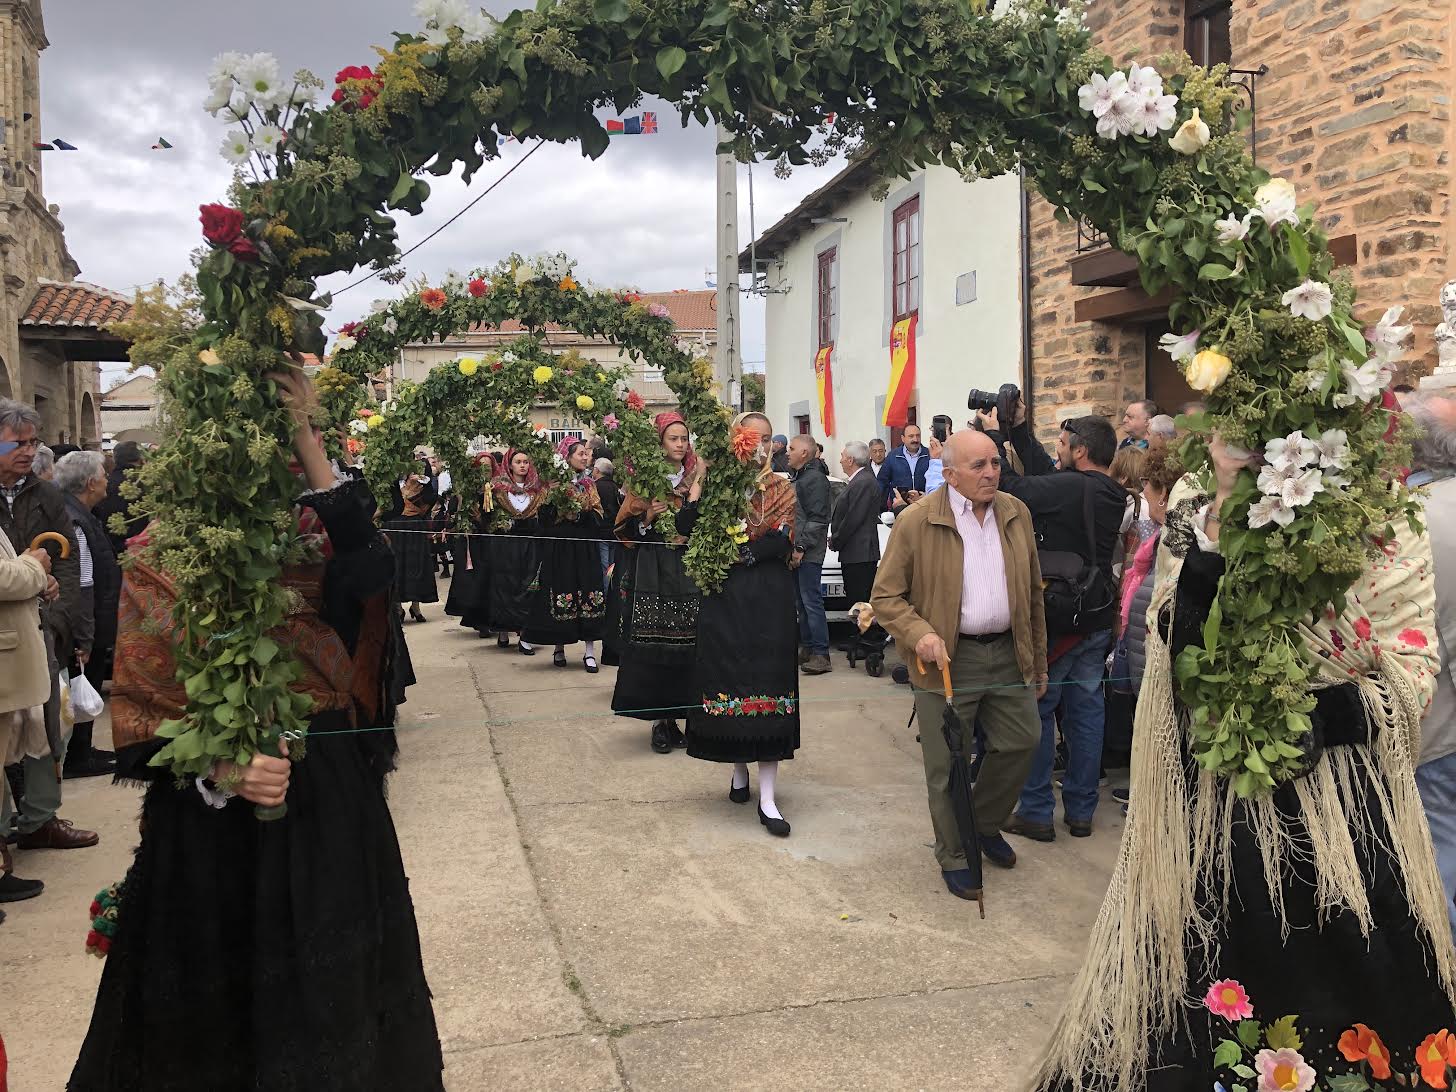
(504, 483)
(664, 421)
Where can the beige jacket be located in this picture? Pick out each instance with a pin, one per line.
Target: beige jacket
(24, 680)
(918, 587)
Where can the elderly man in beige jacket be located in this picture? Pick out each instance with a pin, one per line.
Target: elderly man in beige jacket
(25, 682)
(960, 584)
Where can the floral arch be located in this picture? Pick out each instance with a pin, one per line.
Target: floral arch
(1153, 156)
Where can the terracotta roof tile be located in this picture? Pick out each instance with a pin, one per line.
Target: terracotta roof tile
(75, 303)
(691, 311)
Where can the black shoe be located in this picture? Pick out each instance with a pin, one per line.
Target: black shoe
(662, 737)
(97, 764)
(958, 883)
(527, 649)
(416, 614)
(678, 739)
(779, 828)
(502, 640)
(14, 889)
(1037, 832)
(998, 851)
(1121, 795)
(590, 663)
(1080, 828)
(558, 658)
(737, 795)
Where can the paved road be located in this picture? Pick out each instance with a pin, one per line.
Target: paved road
(598, 916)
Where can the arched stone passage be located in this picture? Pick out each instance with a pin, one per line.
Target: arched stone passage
(90, 422)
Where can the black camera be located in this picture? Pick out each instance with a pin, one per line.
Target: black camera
(1003, 402)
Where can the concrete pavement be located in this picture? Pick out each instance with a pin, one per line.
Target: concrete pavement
(595, 915)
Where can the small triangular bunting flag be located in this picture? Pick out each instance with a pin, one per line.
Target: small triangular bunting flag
(64, 146)
(162, 142)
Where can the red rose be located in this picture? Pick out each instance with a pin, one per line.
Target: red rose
(244, 249)
(221, 225)
(478, 287)
(362, 81)
(495, 366)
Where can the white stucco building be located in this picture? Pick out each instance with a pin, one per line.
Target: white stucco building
(842, 268)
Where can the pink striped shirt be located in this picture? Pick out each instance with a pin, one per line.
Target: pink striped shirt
(985, 603)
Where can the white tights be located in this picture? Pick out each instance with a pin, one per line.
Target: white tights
(768, 773)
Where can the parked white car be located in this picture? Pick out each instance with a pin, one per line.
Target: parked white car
(836, 603)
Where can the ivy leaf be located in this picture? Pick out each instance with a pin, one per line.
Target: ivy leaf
(611, 11)
(1282, 1033)
(1248, 1032)
(1227, 1054)
(670, 60)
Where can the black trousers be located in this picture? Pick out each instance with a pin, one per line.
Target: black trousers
(859, 581)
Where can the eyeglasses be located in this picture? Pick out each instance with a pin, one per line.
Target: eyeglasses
(24, 445)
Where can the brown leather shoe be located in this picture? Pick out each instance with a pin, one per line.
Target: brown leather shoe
(1037, 832)
(58, 833)
(817, 665)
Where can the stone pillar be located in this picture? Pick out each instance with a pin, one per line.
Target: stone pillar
(1445, 373)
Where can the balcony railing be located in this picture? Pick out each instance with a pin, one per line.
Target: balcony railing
(1246, 82)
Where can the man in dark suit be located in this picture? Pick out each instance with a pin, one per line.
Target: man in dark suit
(854, 535)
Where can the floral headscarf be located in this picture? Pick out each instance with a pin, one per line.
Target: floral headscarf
(503, 483)
(663, 422)
(564, 452)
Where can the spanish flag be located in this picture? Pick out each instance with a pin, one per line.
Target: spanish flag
(902, 373)
(824, 374)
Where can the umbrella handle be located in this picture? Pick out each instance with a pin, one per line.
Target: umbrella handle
(945, 680)
(52, 536)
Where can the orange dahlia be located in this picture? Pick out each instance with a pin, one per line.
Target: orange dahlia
(1435, 1055)
(744, 442)
(1360, 1044)
(433, 298)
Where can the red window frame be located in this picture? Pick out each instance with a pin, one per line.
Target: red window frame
(825, 296)
(905, 240)
(801, 426)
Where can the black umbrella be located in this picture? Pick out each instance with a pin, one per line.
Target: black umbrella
(962, 800)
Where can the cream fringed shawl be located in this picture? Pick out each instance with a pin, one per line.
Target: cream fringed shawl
(1154, 928)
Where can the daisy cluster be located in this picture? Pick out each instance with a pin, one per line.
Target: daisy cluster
(441, 15)
(250, 90)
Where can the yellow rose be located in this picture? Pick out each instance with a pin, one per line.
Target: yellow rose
(1207, 371)
(209, 356)
(542, 374)
(1192, 135)
(469, 365)
(376, 420)
(584, 402)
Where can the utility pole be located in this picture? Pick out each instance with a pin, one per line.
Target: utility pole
(728, 362)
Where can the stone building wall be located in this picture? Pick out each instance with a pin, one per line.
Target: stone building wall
(1355, 110)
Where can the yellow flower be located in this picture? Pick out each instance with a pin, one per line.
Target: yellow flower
(376, 420)
(584, 402)
(1192, 136)
(542, 374)
(209, 356)
(469, 365)
(1207, 371)
(601, 377)
(567, 284)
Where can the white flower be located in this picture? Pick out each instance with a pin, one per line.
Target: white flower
(477, 26)
(1334, 449)
(1276, 203)
(1387, 337)
(222, 94)
(267, 139)
(1099, 95)
(436, 36)
(302, 305)
(1301, 490)
(441, 13)
(1294, 452)
(1155, 112)
(1140, 79)
(378, 307)
(391, 325)
(1180, 348)
(343, 343)
(301, 95)
(508, 357)
(1335, 480)
(1123, 119)
(1192, 136)
(225, 67)
(1363, 383)
(523, 274)
(559, 461)
(358, 427)
(1311, 300)
(1269, 510)
(236, 147)
(258, 77)
(1272, 479)
(1233, 230)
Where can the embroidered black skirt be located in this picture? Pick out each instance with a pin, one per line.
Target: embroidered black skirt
(570, 602)
(746, 674)
(657, 615)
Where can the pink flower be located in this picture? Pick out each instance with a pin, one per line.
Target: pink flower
(1283, 1071)
(1228, 999)
(1362, 628)
(610, 420)
(1414, 637)
(658, 310)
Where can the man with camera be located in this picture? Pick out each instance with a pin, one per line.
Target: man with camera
(1077, 512)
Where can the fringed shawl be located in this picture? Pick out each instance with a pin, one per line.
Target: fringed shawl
(1134, 982)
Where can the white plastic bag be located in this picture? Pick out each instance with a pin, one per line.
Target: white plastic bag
(85, 700)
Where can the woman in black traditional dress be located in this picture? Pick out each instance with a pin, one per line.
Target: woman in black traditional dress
(469, 598)
(411, 526)
(281, 955)
(658, 602)
(1319, 902)
(514, 558)
(569, 604)
(747, 669)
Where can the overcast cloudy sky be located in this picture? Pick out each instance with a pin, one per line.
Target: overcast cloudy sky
(121, 73)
